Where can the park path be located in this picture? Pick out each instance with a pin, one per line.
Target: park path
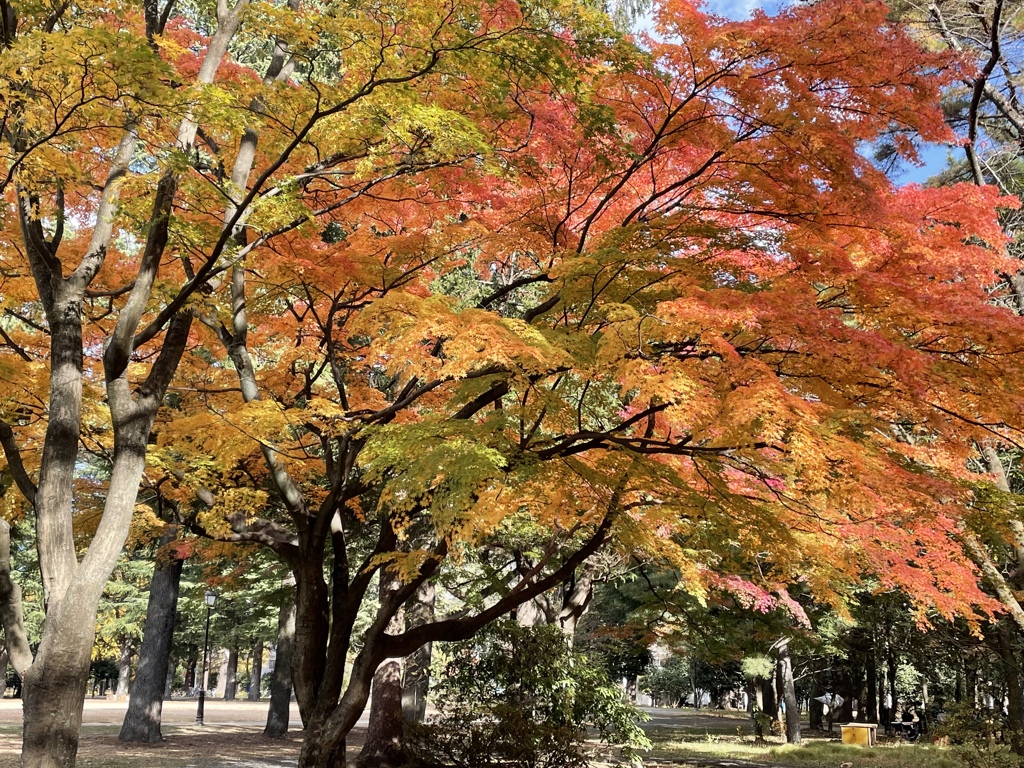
(714, 763)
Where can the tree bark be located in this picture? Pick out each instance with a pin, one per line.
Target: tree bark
(416, 682)
(817, 709)
(256, 676)
(53, 690)
(383, 747)
(230, 670)
(169, 682)
(3, 672)
(142, 721)
(872, 696)
(124, 669)
(281, 685)
(785, 667)
(1014, 686)
(769, 704)
(190, 670)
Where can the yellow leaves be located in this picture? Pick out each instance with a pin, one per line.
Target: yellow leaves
(406, 329)
(404, 565)
(243, 503)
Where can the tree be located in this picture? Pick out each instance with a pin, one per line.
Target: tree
(686, 333)
(142, 720)
(706, 316)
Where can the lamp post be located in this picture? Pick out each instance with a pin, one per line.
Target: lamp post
(211, 598)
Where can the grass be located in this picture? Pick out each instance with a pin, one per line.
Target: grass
(732, 741)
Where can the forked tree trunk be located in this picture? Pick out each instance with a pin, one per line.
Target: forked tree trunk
(145, 707)
(53, 692)
(281, 685)
(55, 683)
(785, 668)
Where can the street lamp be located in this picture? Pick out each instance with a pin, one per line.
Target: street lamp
(211, 598)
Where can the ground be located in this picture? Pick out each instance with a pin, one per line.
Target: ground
(233, 738)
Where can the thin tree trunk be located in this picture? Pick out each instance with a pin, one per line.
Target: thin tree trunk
(190, 671)
(168, 682)
(769, 704)
(230, 670)
(155, 674)
(281, 685)
(817, 708)
(3, 672)
(1014, 687)
(846, 690)
(256, 677)
(872, 672)
(416, 683)
(785, 667)
(124, 669)
(891, 668)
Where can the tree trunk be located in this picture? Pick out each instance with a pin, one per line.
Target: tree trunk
(817, 709)
(230, 670)
(1014, 687)
(142, 721)
(124, 669)
(872, 696)
(55, 684)
(281, 684)
(256, 676)
(221, 665)
(769, 704)
(416, 683)
(190, 671)
(785, 673)
(383, 747)
(891, 670)
(53, 690)
(846, 690)
(168, 682)
(3, 672)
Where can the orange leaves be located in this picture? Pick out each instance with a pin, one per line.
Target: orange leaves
(406, 329)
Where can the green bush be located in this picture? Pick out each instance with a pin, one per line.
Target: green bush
(980, 738)
(519, 697)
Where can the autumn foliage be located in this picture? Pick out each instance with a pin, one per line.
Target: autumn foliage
(490, 277)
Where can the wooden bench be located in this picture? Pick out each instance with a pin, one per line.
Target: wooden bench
(864, 734)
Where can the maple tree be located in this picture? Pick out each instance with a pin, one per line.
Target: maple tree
(705, 326)
(701, 321)
(982, 106)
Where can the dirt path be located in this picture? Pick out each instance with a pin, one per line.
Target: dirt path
(233, 736)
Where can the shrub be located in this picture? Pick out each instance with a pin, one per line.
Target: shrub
(519, 697)
(980, 738)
